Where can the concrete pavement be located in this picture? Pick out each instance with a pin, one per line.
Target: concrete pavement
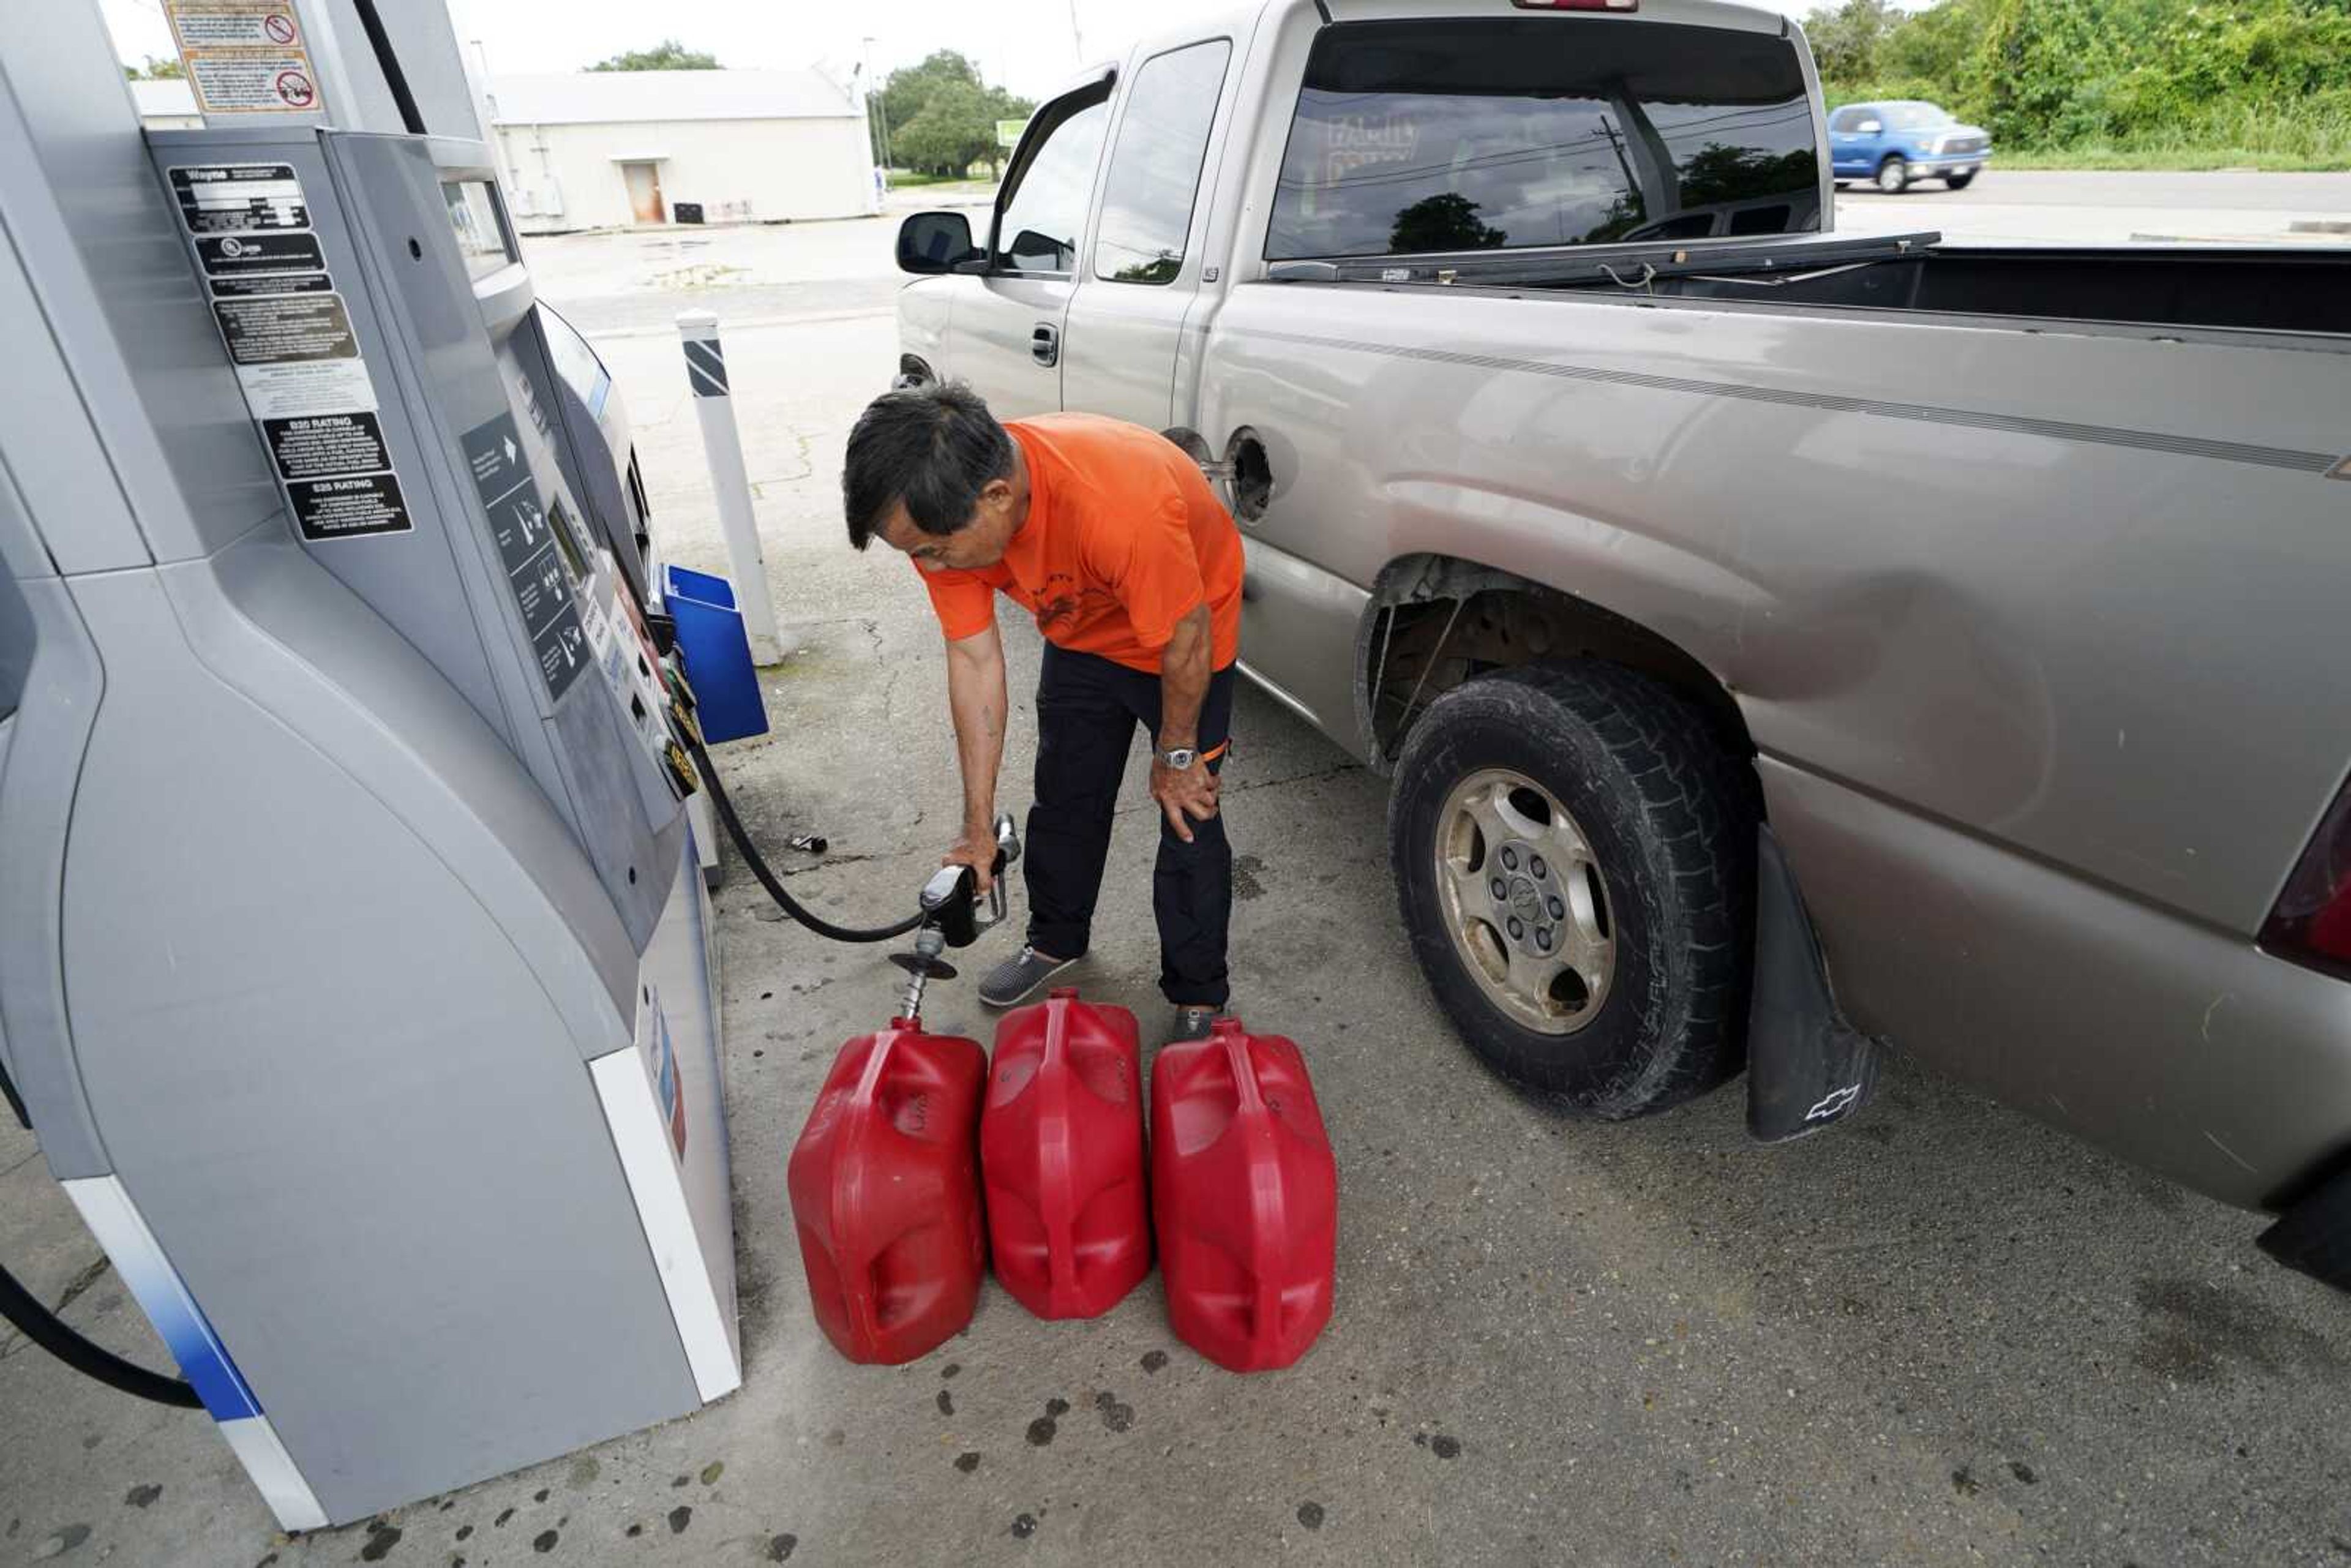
(1940, 1334)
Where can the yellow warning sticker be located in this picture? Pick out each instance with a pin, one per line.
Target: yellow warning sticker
(244, 56)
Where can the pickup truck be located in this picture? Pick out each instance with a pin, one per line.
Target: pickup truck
(1783, 644)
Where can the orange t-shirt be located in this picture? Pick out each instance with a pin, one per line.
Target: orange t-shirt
(1124, 539)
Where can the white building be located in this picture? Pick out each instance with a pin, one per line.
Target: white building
(606, 149)
(167, 105)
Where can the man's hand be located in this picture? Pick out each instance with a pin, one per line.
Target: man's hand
(1186, 796)
(975, 849)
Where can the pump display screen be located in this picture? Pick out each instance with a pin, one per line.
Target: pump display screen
(474, 218)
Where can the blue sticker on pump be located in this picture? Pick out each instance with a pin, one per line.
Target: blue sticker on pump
(160, 1291)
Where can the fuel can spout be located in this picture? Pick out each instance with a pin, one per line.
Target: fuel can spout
(951, 918)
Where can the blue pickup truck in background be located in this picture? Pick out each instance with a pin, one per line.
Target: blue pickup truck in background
(1891, 144)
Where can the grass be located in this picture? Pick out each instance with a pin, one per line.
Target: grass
(2307, 136)
(2185, 159)
(906, 180)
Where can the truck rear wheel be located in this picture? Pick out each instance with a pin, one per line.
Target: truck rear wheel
(1574, 855)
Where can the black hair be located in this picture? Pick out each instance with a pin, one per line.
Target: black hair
(934, 447)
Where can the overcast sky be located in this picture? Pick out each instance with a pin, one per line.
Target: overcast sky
(1029, 46)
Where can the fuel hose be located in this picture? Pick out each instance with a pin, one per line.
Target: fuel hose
(45, 1329)
(758, 862)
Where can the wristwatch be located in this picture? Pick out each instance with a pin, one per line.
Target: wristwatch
(1180, 759)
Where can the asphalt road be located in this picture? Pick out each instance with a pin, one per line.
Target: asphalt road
(2005, 208)
(1942, 1333)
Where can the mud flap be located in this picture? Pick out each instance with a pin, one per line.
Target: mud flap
(2312, 1237)
(1806, 1068)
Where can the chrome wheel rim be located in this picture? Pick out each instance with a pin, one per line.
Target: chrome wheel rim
(1891, 178)
(1525, 902)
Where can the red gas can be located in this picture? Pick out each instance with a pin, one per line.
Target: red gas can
(1245, 1194)
(1060, 1151)
(885, 1192)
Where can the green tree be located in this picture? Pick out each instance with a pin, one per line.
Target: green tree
(940, 118)
(2040, 72)
(669, 55)
(953, 131)
(1846, 40)
(156, 70)
(906, 89)
(1934, 45)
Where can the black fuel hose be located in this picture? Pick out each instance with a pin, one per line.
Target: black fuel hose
(767, 879)
(45, 1329)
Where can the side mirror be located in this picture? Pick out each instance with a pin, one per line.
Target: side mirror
(934, 243)
(1870, 127)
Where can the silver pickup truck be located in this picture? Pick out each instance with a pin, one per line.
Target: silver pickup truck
(1782, 642)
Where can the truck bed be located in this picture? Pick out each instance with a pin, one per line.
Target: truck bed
(2289, 291)
(2285, 291)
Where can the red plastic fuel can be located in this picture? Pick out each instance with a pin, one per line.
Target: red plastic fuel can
(885, 1193)
(1245, 1194)
(1060, 1151)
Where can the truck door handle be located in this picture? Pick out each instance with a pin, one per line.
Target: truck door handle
(1045, 343)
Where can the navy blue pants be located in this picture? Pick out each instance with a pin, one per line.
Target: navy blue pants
(1087, 708)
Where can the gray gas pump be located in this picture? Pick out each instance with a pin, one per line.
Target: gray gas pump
(354, 972)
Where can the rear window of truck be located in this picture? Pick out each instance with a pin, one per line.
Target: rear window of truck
(1463, 135)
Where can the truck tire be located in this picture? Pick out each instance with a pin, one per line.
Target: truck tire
(1959, 182)
(1575, 856)
(1894, 176)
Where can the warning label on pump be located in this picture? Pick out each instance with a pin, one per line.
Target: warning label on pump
(272, 283)
(286, 330)
(323, 386)
(324, 444)
(289, 336)
(356, 504)
(246, 255)
(240, 83)
(244, 57)
(213, 23)
(238, 198)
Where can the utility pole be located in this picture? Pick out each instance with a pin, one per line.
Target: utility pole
(874, 102)
(1077, 38)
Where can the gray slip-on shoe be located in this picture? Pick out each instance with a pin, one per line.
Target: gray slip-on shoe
(1018, 978)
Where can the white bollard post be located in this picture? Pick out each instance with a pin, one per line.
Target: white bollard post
(706, 372)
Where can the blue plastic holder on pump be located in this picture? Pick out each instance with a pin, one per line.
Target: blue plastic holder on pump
(718, 655)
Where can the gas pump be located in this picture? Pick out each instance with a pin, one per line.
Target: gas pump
(356, 970)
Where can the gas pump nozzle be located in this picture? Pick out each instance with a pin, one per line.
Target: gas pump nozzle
(951, 916)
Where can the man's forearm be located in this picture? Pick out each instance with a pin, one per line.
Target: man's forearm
(1184, 672)
(975, 694)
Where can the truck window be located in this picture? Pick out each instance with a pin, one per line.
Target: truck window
(1045, 213)
(1457, 135)
(1848, 119)
(1155, 170)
